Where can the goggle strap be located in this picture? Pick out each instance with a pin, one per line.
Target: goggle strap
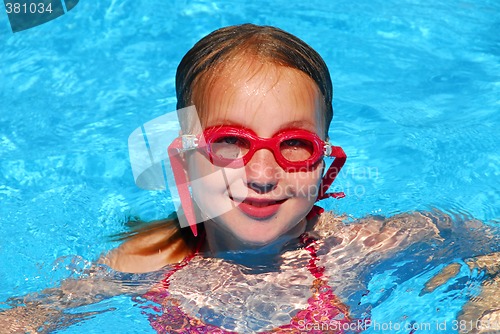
(315, 211)
(182, 184)
(332, 172)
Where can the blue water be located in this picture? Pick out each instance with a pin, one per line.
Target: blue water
(417, 90)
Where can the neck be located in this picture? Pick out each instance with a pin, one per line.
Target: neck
(223, 244)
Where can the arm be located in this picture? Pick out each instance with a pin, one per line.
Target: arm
(482, 310)
(375, 237)
(372, 238)
(352, 248)
(46, 311)
(143, 253)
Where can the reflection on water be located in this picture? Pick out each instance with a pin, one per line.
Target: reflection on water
(415, 269)
(385, 270)
(416, 100)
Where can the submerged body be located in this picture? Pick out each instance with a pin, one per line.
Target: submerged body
(221, 295)
(247, 299)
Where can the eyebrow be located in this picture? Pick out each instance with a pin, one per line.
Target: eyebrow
(290, 125)
(298, 124)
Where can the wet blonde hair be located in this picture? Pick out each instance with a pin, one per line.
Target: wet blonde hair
(266, 44)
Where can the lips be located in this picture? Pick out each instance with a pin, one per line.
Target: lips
(260, 208)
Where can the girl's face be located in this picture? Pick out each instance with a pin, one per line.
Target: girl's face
(259, 203)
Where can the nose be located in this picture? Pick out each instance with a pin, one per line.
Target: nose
(261, 188)
(262, 172)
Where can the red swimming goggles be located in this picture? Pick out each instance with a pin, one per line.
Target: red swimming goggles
(233, 147)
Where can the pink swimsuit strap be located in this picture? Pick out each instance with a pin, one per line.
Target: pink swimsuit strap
(324, 308)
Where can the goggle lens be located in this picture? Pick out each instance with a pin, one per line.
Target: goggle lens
(296, 149)
(229, 147)
(234, 147)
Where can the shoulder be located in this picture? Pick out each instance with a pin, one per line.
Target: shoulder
(378, 232)
(146, 252)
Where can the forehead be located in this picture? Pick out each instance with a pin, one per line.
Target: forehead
(247, 91)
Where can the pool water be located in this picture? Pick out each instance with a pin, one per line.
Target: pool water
(416, 102)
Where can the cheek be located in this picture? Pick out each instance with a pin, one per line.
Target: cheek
(305, 184)
(198, 167)
(207, 180)
(204, 178)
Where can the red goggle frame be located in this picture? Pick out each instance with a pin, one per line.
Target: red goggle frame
(234, 147)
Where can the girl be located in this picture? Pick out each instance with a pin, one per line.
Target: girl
(254, 163)
(253, 88)
(264, 104)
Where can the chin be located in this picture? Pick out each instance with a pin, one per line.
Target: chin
(257, 238)
(256, 242)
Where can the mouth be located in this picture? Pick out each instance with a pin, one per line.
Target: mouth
(258, 208)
